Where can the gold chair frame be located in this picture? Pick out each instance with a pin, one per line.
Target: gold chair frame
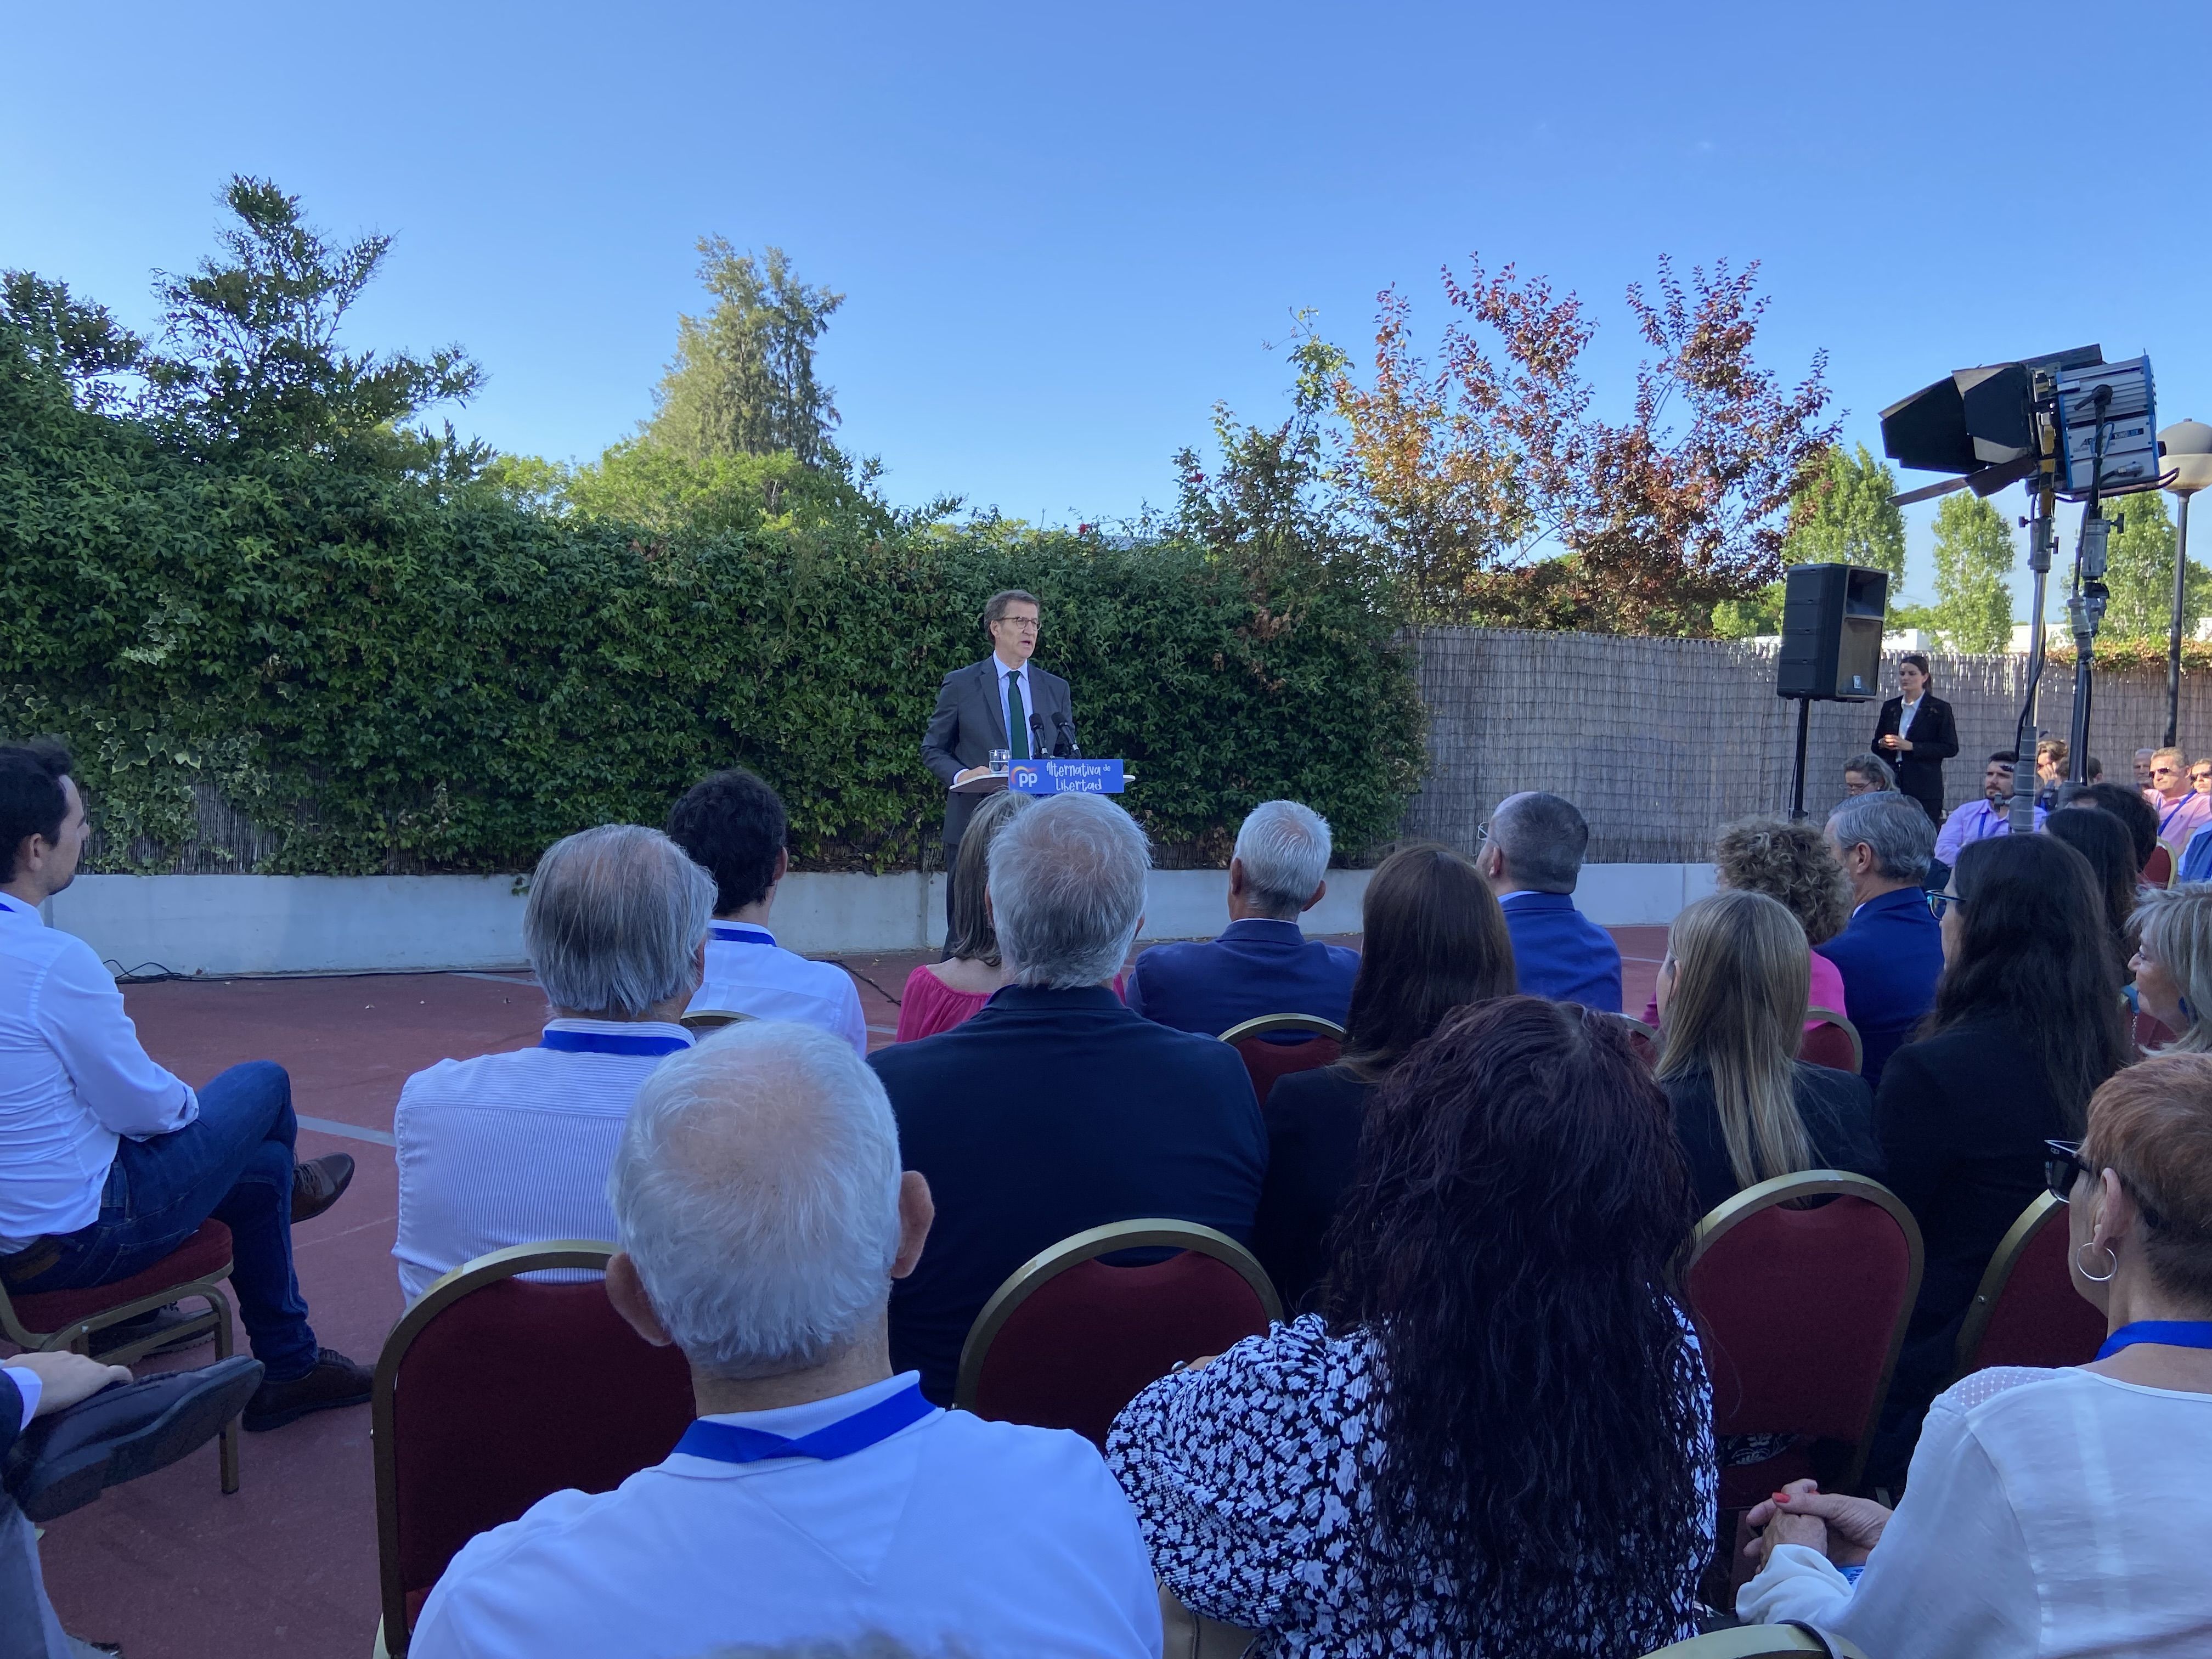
(470, 1276)
(1830, 1017)
(712, 1020)
(1071, 1252)
(1725, 1217)
(76, 1337)
(1267, 1024)
(1760, 1642)
(2042, 1210)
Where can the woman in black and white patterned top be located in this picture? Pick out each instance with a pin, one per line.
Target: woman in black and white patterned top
(1498, 1440)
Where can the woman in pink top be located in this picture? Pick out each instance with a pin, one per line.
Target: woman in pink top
(939, 995)
(1790, 862)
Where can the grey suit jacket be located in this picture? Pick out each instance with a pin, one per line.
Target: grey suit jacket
(968, 724)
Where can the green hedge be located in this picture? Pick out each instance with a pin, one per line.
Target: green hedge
(387, 676)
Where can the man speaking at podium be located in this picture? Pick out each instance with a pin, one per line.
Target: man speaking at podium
(1001, 702)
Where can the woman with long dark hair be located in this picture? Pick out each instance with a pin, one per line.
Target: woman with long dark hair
(1433, 939)
(2104, 841)
(2027, 1022)
(1498, 1440)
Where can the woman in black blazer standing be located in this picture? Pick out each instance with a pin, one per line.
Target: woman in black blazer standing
(2027, 1022)
(1917, 742)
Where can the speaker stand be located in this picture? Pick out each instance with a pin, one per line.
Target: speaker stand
(1797, 777)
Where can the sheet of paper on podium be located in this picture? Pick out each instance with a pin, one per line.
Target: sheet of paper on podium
(989, 784)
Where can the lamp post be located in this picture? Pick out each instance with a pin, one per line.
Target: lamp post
(2186, 447)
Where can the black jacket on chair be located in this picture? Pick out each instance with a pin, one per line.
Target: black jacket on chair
(1934, 739)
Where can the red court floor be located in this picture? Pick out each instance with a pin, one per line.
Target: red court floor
(169, 1567)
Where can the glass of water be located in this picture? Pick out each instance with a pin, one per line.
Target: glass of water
(1002, 761)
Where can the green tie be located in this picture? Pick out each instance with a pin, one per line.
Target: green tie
(1018, 718)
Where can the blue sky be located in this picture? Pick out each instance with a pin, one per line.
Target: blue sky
(1066, 232)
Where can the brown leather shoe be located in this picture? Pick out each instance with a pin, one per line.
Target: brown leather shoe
(317, 1184)
(335, 1381)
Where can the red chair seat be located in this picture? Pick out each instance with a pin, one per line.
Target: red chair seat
(1268, 1061)
(2039, 1318)
(1828, 1045)
(2158, 868)
(204, 1256)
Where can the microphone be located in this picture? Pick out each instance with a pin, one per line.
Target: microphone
(1067, 749)
(1037, 733)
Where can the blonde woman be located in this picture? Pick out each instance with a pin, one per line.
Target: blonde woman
(2174, 963)
(1731, 1012)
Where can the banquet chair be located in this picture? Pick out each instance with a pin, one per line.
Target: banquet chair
(700, 1020)
(1830, 1040)
(1266, 1061)
(2025, 1311)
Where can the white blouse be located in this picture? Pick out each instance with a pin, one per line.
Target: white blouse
(2047, 1512)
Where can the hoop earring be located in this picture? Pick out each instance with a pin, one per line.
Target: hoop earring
(2112, 1255)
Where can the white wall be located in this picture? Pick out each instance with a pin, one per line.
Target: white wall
(353, 924)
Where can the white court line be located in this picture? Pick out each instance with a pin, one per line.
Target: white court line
(350, 1131)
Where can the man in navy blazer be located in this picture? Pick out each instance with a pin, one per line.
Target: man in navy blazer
(1056, 1109)
(1005, 701)
(1532, 857)
(1890, 954)
(1262, 964)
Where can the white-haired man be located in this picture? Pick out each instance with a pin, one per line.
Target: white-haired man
(1055, 1107)
(762, 1215)
(513, 1148)
(1262, 963)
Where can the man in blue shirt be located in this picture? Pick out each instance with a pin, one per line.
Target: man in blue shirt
(1532, 857)
(1262, 964)
(1890, 954)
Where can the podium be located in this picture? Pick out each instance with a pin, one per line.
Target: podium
(1048, 775)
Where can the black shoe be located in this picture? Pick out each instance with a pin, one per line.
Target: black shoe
(318, 1184)
(108, 1339)
(335, 1381)
(63, 1462)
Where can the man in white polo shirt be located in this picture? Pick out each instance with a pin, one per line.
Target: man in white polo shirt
(818, 1499)
(513, 1148)
(733, 826)
(108, 1162)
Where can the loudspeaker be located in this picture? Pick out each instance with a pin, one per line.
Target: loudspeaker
(1832, 623)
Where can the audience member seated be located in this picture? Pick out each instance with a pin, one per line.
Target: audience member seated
(819, 1498)
(1793, 863)
(1433, 940)
(2181, 811)
(1891, 951)
(1731, 1004)
(1057, 1109)
(732, 825)
(513, 1148)
(2103, 839)
(2143, 785)
(1261, 963)
(938, 995)
(2027, 1022)
(2050, 758)
(1989, 816)
(1867, 774)
(2125, 804)
(1532, 857)
(1498, 1440)
(2051, 1511)
(2173, 963)
(108, 1162)
(70, 1427)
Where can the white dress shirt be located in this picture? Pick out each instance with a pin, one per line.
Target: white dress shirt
(1005, 709)
(512, 1148)
(953, 1535)
(73, 1079)
(748, 973)
(2047, 1512)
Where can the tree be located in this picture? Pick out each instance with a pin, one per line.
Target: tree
(1973, 553)
(80, 342)
(2139, 571)
(251, 359)
(1504, 499)
(743, 379)
(1840, 515)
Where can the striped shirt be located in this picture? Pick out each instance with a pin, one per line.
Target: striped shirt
(748, 973)
(514, 1148)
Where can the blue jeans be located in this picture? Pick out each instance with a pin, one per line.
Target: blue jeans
(234, 1164)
